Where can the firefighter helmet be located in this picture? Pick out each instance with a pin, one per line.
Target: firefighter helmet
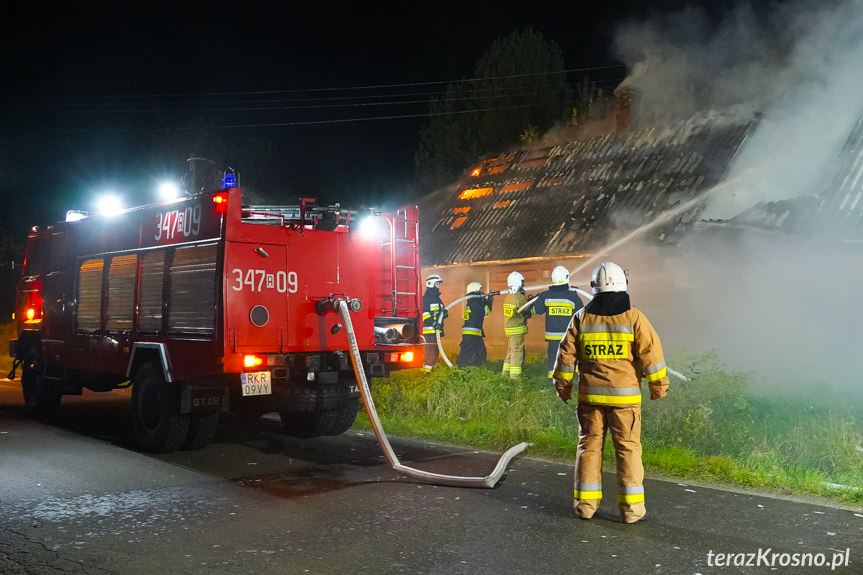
(474, 286)
(608, 277)
(515, 281)
(559, 275)
(432, 280)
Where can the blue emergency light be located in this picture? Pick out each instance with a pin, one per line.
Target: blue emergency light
(229, 180)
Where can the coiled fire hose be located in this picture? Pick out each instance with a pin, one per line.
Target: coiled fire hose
(488, 481)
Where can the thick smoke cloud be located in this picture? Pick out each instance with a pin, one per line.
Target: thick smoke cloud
(783, 307)
(797, 66)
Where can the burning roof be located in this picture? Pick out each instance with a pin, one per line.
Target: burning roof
(575, 197)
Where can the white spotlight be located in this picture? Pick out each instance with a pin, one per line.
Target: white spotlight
(373, 227)
(109, 205)
(169, 191)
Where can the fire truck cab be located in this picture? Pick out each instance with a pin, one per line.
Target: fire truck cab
(204, 305)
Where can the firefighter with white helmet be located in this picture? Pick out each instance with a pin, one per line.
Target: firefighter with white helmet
(434, 313)
(558, 303)
(472, 352)
(607, 349)
(515, 325)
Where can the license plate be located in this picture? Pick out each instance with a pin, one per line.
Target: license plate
(256, 383)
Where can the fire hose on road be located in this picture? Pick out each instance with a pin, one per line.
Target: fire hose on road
(488, 481)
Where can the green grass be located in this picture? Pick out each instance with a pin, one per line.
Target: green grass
(7, 332)
(712, 428)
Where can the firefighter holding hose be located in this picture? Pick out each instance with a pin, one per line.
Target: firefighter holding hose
(608, 347)
(515, 325)
(558, 303)
(434, 313)
(472, 352)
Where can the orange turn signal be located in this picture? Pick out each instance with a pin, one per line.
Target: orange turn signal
(407, 356)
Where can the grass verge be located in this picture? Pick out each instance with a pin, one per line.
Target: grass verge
(712, 428)
(7, 332)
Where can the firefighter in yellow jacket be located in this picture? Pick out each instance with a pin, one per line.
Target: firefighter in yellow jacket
(515, 325)
(608, 347)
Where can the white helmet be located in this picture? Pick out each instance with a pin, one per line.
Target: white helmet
(608, 277)
(432, 280)
(515, 281)
(559, 275)
(474, 286)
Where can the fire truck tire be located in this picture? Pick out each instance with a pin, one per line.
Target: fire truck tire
(334, 421)
(202, 430)
(344, 418)
(40, 397)
(157, 423)
(317, 398)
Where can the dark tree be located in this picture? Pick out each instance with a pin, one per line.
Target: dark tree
(519, 85)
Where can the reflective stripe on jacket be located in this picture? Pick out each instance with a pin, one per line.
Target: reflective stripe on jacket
(432, 307)
(515, 323)
(611, 355)
(476, 308)
(558, 303)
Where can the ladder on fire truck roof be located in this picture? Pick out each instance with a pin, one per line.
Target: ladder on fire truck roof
(404, 262)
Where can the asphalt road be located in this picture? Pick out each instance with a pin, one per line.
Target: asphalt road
(75, 497)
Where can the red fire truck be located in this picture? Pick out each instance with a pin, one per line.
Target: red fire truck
(204, 305)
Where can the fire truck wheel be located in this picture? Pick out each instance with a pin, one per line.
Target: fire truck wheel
(344, 418)
(333, 421)
(202, 430)
(157, 423)
(40, 397)
(316, 398)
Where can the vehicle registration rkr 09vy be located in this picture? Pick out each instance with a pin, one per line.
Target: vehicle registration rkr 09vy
(256, 383)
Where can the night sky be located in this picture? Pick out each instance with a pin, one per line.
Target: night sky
(116, 97)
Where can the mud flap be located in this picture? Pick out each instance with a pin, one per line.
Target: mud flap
(208, 398)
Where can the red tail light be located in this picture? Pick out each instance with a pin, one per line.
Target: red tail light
(406, 357)
(33, 313)
(253, 360)
(221, 201)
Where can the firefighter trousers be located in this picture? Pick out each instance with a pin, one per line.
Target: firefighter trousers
(624, 424)
(553, 347)
(514, 359)
(430, 354)
(472, 351)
